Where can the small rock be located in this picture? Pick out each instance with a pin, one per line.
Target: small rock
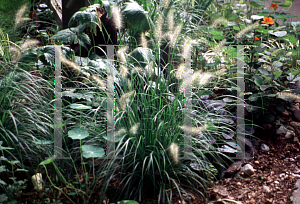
(238, 183)
(267, 126)
(296, 113)
(233, 168)
(289, 134)
(281, 129)
(265, 148)
(285, 113)
(277, 182)
(256, 162)
(248, 169)
(266, 189)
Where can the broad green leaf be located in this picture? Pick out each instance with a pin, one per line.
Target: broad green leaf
(218, 37)
(284, 16)
(291, 39)
(256, 3)
(43, 142)
(80, 106)
(277, 74)
(277, 64)
(85, 17)
(47, 161)
(264, 87)
(278, 33)
(216, 32)
(136, 16)
(284, 5)
(263, 71)
(141, 56)
(258, 80)
(89, 151)
(78, 134)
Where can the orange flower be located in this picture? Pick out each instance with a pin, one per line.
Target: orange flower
(274, 6)
(268, 20)
(255, 38)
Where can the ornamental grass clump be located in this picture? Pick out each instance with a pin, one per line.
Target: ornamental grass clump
(150, 151)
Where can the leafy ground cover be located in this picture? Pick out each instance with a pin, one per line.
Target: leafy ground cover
(151, 113)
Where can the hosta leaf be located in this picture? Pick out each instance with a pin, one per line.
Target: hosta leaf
(78, 134)
(89, 151)
(136, 16)
(141, 56)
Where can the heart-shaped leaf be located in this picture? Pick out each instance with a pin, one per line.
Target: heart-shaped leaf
(136, 16)
(78, 134)
(89, 151)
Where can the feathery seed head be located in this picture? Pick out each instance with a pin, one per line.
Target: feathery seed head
(125, 99)
(121, 131)
(19, 15)
(200, 79)
(219, 21)
(165, 3)
(171, 19)
(289, 95)
(245, 30)
(158, 28)
(99, 81)
(28, 44)
(174, 151)
(70, 64)
(180, 70)
(218, 47)
(133, 130)
(121, 54)
(15, 53)
(194, 130)
(117, 17)
(203, 40)
(175, 35)
(144, 41)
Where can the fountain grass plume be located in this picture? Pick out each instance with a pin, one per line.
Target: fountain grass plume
(171, 19)
(175, 35)
(125, 99)
(245, 30)
(134, 129)
(28, 44)
(19, 19)
(117, 17)
(194, 130)
(158, 29)
(144, 41)
(123, 68)
(174, 151)
(219, 21)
